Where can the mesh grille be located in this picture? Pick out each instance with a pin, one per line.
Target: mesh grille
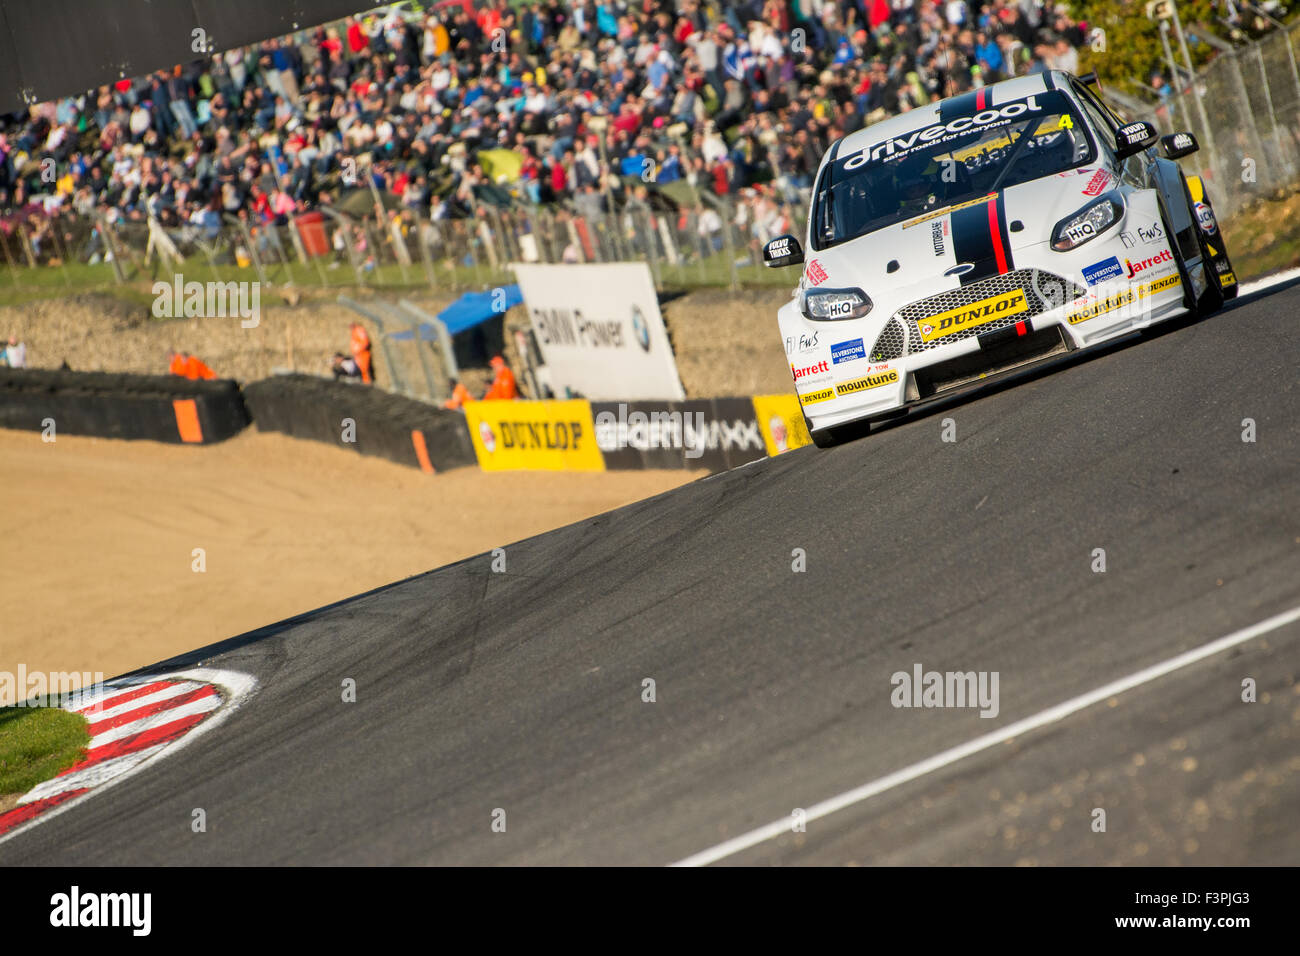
(1043, 291)
(889, 344)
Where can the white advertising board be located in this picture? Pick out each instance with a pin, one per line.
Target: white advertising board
(600, 331)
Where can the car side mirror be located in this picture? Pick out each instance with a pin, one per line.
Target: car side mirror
(782, 251)
(1134, 138)
(1178, 145)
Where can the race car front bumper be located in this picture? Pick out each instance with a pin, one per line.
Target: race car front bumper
(913, 359)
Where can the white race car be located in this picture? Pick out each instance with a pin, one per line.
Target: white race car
(991, 230)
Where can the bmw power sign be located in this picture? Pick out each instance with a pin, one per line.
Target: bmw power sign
(600, 331)
(640, 329)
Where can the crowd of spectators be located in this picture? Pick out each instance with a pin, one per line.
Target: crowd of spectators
(594, 102)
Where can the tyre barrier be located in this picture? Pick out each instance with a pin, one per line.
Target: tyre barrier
(163, 408)
(367, 420)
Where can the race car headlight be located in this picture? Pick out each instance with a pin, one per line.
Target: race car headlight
(829, 304)
(1088, 223)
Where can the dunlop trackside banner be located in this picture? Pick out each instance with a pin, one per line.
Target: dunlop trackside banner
(600, 331)
(534, 436)
(710, 434)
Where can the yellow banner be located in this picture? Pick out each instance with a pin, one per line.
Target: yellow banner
(781, 423)
(534, 436)
(969, 316)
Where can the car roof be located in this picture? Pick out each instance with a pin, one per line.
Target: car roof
(925, 116)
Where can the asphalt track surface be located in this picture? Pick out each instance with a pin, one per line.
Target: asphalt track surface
(523, 691)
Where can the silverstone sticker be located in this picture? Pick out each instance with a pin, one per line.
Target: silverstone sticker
(976, 314)
(870, 381)
(849, 351)
(1103, 271)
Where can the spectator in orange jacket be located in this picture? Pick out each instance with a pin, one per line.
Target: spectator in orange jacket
(459, 396)
(175, 363)
(195, 368)
(503, 381)
(361, 350)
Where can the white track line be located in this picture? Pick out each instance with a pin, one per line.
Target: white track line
(1050, 716)
(1254, 285)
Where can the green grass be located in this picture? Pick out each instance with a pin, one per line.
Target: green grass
(36, 743)
(1265, 237)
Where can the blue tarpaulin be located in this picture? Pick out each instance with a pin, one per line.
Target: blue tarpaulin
(469, 310)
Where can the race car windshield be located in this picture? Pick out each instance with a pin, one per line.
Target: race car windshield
(962, 158)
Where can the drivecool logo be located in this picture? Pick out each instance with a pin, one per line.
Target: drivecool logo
(944, 131)
(208, 300)
(75, 909)
(922, 688)
(48, 688)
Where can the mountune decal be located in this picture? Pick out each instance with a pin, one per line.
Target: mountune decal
(1090, 310)
(870, 381)
(1092, 307)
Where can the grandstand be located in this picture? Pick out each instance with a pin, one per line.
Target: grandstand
(443, 118)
